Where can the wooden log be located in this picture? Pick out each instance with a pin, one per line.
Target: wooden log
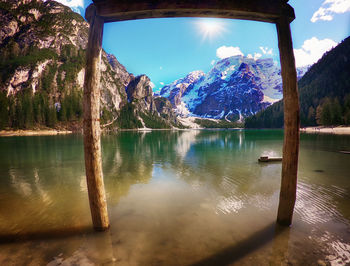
(91, 105)
(291, 124)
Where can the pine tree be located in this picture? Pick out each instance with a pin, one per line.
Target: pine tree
(19, 121)
(28, 110)
(38, 109)
(62, 114)
(311, 115)
(12, 111)
(347, 117)
(51, 117)
(4, 110)
(326, 115)
(336, 112)
(319, 114)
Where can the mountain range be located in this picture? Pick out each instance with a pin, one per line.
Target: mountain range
(236, 87)
(324, 93)
(42, 67)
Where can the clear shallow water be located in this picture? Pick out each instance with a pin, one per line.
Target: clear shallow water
(174, 198)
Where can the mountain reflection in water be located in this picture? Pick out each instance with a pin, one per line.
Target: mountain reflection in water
(174, 198)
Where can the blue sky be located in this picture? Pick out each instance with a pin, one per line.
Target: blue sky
(168, 49)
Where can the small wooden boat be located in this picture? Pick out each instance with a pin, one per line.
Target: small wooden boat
(266, 159)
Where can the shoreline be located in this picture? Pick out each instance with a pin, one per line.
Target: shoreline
(40, 132)
(339, 130)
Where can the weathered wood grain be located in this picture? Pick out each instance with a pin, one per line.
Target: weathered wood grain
(259, 10)
(291, 124)
(274, 11)
(91, 105)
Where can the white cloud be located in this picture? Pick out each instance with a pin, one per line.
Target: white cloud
(227, 51)
(212, 62)
(312, 50)
(255, 57)
(329, 8)
(73, 4)
(266, 50)
(161, 83)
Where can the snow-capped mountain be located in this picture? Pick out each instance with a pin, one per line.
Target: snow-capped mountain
(235, 87)
(175, 91)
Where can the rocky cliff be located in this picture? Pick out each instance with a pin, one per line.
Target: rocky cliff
(42, 67)
(150, 111)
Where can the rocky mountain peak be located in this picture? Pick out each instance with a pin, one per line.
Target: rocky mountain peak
(121, 71)
(43, 48)
(193, 76)
(139, 91)
(139, 87)
(235, 87)
(42, 56)
(182, 84)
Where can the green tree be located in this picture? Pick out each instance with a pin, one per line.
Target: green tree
(38, 108)
(106, 116)
(51, 118)
(336, 112)
(19, 121)
(347, 110)
(12, 111)
(347, 117)
(27, 105)
(62, 114)
(311, 115)
(4, 110)
(326, 115)
(319, 114)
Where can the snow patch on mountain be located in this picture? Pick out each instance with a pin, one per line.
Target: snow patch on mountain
(234, 88)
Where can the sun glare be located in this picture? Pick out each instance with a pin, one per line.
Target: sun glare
(210, 28)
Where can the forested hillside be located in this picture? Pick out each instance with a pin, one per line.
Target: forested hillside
(324, 93)
(42, 68)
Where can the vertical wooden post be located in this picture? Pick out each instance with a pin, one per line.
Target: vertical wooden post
(291, 124)
(91, 105)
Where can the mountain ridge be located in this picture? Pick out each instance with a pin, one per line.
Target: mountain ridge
(234, 88)
(324, 93)
(42, 68)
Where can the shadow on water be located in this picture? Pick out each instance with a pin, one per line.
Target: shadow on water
(239, 250)
(51, 234)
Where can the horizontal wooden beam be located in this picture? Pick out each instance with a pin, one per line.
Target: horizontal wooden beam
(258, 10)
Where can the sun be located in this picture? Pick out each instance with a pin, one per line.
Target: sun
(210, 28)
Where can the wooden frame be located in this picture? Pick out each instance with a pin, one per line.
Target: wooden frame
(272, 11)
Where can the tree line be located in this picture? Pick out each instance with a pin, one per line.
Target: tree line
(26, 110)
(329, 112)
(324, 93)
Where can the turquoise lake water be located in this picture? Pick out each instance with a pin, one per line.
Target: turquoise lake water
(196, 197)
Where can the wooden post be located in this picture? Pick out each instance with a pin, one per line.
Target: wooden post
(291, 124)
(91, 105)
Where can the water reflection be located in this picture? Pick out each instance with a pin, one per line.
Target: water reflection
(174, 198)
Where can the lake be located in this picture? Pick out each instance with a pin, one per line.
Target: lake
(196, 197)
